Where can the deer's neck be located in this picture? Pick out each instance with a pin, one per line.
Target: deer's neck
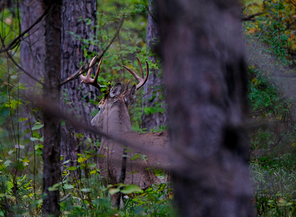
(118, 120)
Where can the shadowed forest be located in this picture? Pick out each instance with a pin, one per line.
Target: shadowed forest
(147, 108)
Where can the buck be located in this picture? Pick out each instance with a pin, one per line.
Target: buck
(117, 163)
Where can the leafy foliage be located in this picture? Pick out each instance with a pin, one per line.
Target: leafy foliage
(82, 189)
(271, 36)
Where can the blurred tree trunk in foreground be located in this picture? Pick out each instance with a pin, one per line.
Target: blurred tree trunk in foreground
(205, 77)
(75, 19)
(51, 93)
(152, 88)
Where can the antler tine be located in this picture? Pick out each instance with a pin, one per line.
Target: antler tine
(141, 69)
(98, 70)
(147, 72)
(91, 65)
(87, 79)
(141, 79)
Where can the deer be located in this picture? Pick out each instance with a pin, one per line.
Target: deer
(117, 163)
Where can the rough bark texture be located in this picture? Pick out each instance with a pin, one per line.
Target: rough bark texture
(204, 69)
(154, 82)
(32, 58)
(51, 93)
(32, 47)
(74, 15)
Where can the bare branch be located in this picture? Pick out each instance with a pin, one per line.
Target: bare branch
(23, 70)
(17, 39)
(250, 17)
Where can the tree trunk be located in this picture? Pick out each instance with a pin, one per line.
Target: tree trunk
(205, 78)
(51, 93)
(32, 59)
(33, 46)
(152, 88)
(74, 20)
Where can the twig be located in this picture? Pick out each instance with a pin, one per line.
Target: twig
(65, 198)
(250, 17)
(17, 65)
(17, 39)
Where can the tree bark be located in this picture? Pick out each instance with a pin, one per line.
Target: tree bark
(205, 79)
(32, 60)
(33, 46)
(153, 87)
(74, 20)
(51, 93)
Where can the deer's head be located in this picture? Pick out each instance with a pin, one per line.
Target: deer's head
(113, 116)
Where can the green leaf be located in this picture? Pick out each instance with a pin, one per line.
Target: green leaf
(71, 168)
(67, 161)
(86, 189)
(131, 189)
(34, 139)
(9, 185)
(55, 187)
(23, 119)
(11, 151)
(113, 190)
(38, 146)
(82, 159)
(93, 113)
(37, 126)
(93, 172)
(91, 165)
(66, 186)
(147, 110)
(52, 189)
(136, 156)
(7, 163)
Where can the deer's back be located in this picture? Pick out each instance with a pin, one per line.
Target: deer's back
(140, 163)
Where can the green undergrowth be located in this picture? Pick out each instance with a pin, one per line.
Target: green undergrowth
(80, 194)
(274, 179)
(271, 71)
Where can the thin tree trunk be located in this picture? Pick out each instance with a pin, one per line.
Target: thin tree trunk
(153, 87)
(75, 17)
(51, 93)
(205, 78)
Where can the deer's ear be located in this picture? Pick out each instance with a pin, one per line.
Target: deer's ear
(115, 90)
(133, 92)
(130, 95)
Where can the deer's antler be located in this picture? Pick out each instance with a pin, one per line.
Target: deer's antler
(141, 79)
(87, 79)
